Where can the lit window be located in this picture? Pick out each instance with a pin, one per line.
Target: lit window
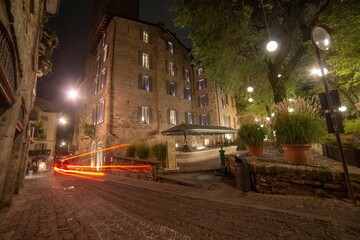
(225, 118)
(186, 75)
(97, 69)
(106, 47)
(189, 118)
(103, 39)
(171, 89)
(172, 117)
(170, 68)
(145, 83)
(170, 47)
(100, 112)
(202, 84)
(187, 93)
(96, 86)
(223, 102)
(103, 78)
(203, 100)
(145, 60)
(145, 36)
(204, 119)
(200, 72)
(93, 114)
(144, 115)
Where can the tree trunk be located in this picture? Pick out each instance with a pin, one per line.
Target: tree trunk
(277, 84)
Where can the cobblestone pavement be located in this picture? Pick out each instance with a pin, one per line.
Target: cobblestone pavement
(62, 207)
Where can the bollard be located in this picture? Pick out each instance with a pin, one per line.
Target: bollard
(222, 159)
(242, 175)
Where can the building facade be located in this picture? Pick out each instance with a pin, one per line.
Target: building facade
(20, 33)
(139, 81)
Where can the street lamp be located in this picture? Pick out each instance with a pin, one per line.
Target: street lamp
(321, 38)
(250, 89)
(62, 120)
(73, 94)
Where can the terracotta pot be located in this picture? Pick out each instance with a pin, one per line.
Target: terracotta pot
(297, 153)
(256, 151)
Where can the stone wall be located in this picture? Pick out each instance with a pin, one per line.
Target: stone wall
(304, 180)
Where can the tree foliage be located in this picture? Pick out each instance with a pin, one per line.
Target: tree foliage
(229, 39)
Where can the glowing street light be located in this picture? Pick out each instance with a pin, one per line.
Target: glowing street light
(251, 100)
(272, 46)
(73, 94)
(342, 108)
(250, 89)
(317, 71)
(62, 120)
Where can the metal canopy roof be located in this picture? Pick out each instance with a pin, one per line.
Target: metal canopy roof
(191, 129)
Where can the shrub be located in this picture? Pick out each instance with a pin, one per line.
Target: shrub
(252, 134)
(159, 151)
(352, 126)
(130, 151)
(298, 128)
(143, 151)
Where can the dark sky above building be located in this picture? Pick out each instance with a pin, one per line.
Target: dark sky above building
(72, 24)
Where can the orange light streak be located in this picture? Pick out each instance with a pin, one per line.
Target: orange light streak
(95, 151)
(79, 176)
(111, 166)
(81, 172)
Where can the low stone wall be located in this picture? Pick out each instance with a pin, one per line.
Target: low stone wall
(305, 180)
(150, 175)
(197, 156)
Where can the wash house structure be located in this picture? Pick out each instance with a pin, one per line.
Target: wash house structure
(138, 82)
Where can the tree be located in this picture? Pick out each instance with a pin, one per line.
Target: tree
(229, 39)
(344, 53)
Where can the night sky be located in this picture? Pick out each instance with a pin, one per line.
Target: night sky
(72, 24)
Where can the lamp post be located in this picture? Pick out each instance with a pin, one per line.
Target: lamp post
(322, 41)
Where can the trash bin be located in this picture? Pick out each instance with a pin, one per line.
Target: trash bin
(242, 174)
(31, 172)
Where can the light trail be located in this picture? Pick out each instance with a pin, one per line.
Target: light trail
(61, 171)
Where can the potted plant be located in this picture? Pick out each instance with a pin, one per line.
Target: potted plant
(297, 125)
(253, 136)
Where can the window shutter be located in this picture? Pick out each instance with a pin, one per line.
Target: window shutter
(205, 82)
(200, 120)
(150, 84)
(175, 88)
(185, 94)
(206, 100)
(150, 115)
(168, 116)
(140, 114)
(168, 87)
(175, 69)
(149, 37)
(167, 66)
(140, 81)
(141, 35)
(199, 102)
(192, 118)
(140, 58)
(177, 117)
(208, 119)
(150, 62)
(186, 118)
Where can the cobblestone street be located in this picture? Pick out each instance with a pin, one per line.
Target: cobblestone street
(53, 206)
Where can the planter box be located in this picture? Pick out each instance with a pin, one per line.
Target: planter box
(352, 156)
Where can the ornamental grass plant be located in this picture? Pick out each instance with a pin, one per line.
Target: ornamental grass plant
(252, 134)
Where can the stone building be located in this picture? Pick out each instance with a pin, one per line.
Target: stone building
(21, 24)
(139, 81)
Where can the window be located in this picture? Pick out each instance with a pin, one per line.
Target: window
(186, 75)
(202, 84)
(103, 78)
(145, 36)
(170, 68)
(200, 72)
(223, 102)
(97, 69)
(144, 114)
(203, 101)
(106, 47)
(172, 116)
(187, 93)
(40, 146)
(100, 112)
(229, 121)
(104, 39)
(145, 83)
(225, 118)
(170, 47)
(204, 119)
(96, 85)
(93, 114)
(171, 88)
(189, 118)
(145, 60)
